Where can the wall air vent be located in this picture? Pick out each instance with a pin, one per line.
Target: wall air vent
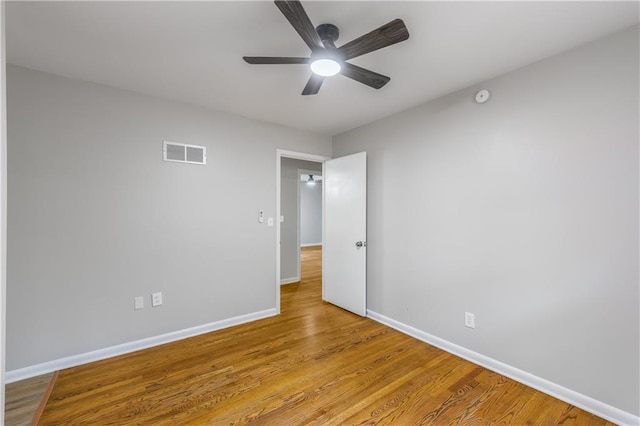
(183, 153)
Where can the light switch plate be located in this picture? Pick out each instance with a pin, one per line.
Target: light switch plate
(270, 221)
(138, 303)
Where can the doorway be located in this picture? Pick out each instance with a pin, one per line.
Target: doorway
(344, 245)
(310, 207)
(300, 213)
(289, 165)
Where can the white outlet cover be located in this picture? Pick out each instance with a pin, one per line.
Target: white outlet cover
(156, 299)
(469, 320)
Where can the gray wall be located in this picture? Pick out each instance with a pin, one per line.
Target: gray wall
(96, 217)
(523, 211)
(289, 238)
(310, 213)
(3, 203)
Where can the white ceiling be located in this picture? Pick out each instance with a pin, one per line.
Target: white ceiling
(192, 51)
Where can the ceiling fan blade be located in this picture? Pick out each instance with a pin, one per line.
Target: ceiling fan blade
(390, 33)
(364, 76)
(274, 60)
(298, 18)
(313, 85)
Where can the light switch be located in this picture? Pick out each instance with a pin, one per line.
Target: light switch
(281, 218)
(261, 216)
(138, 303)
(270, 221)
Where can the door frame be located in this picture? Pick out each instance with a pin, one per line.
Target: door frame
(280, 154)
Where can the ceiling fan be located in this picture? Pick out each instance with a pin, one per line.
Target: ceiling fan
(326, 59)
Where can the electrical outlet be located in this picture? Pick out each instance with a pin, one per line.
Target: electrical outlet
(138, 303)
(156, 299)
(469, 320)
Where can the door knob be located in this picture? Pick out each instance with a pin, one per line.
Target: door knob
(361, 244)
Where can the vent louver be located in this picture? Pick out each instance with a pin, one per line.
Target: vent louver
(184, 153)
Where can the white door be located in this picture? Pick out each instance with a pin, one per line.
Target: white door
(344, 259)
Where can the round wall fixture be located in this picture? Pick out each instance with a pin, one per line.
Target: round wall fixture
(482, 96)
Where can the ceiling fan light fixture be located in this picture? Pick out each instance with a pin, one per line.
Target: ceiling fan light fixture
(326, 58)
(325, 67)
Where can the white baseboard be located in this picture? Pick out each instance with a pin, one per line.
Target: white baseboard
(584, 402)
(311, 245)
(97, 355)
(289, 280)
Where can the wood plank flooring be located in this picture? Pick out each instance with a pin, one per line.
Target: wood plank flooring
(23, 398)
(313, 364)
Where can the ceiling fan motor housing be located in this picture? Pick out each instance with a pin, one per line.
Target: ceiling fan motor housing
(328, 33)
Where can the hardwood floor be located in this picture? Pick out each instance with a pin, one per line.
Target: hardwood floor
(22, 399)
(313, 364)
